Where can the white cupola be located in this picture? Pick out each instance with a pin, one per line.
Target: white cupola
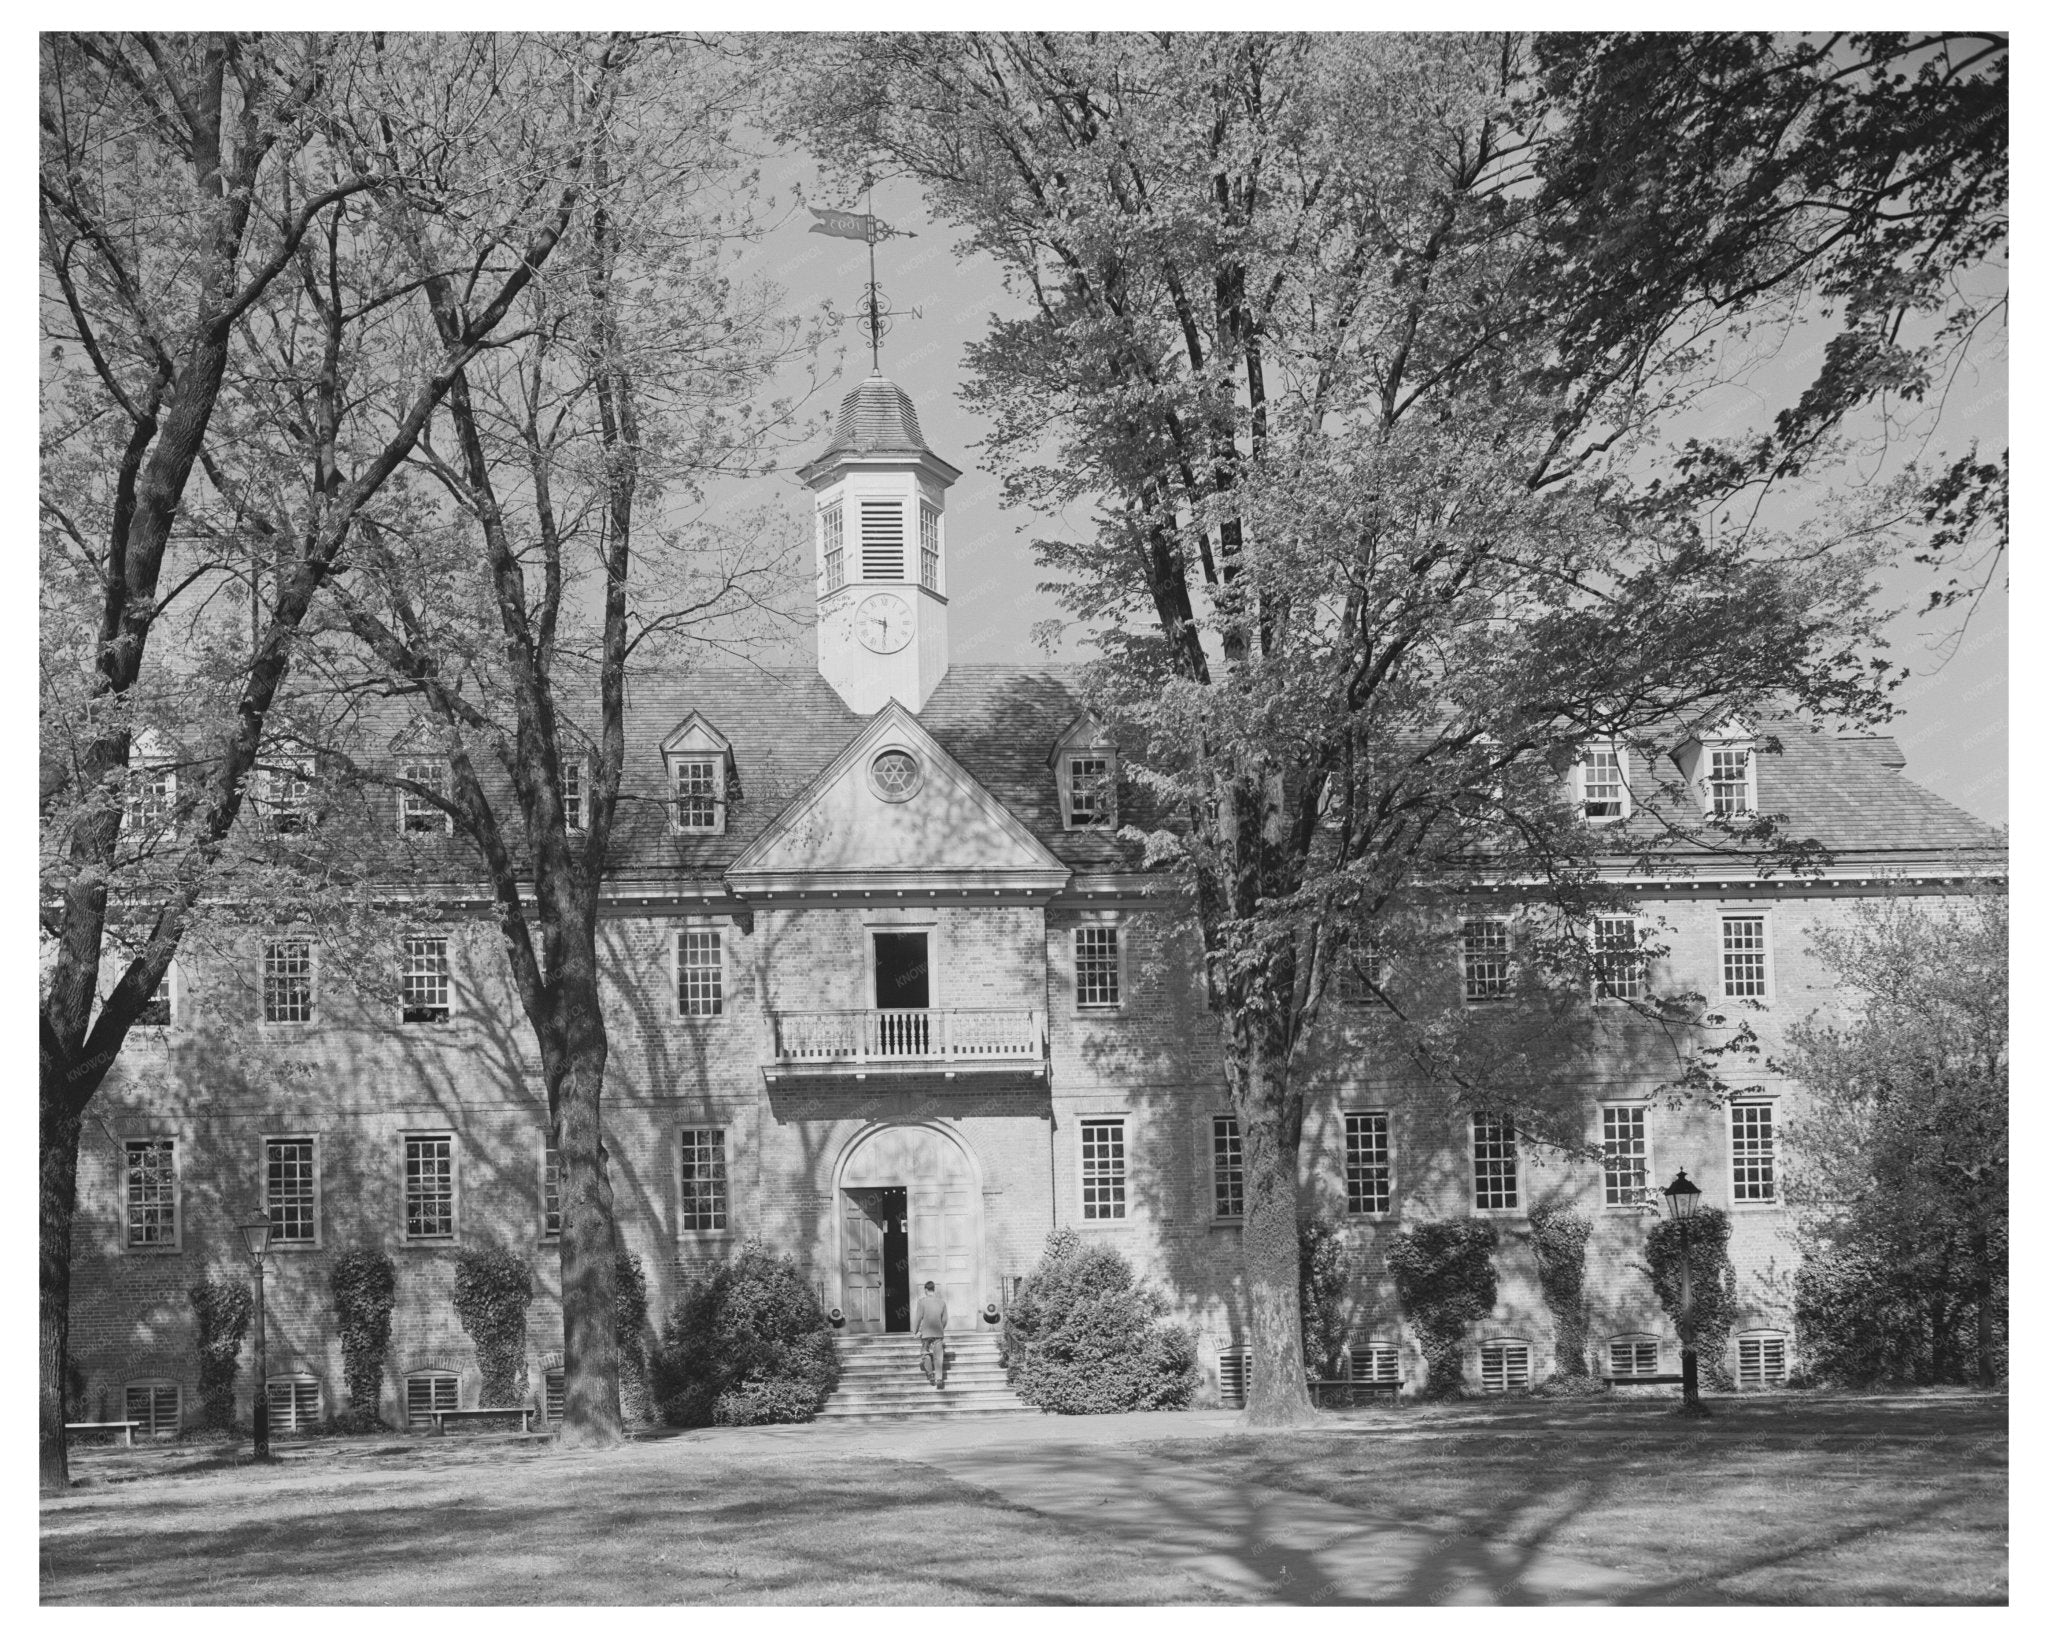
(880, 521)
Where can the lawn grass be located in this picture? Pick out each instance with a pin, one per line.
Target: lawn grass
(1792, 1500)
(462, 1522)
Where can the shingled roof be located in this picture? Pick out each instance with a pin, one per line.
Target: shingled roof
(876, 418)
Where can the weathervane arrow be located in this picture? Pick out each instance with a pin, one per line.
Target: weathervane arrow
(847, 224)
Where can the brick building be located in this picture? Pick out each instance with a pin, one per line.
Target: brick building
(886, 991)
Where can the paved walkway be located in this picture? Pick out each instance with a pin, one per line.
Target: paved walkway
(1250, 1542)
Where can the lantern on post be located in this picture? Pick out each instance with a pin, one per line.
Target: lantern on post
(1682, 1196)
(255, 1233)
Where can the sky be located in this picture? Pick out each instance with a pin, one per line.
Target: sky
(1951, 722)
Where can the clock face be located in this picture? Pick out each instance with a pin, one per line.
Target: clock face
(883, 622)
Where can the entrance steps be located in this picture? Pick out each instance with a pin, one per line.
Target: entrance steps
(879, 1378)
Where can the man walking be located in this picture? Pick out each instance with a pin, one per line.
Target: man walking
(928, 1321)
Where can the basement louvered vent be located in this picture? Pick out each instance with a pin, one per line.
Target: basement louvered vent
(557, 1396)
(1503, 1367)
(1231, 1374)
(1759, 1361)
(294, 1404)
(1375, 1362)
(881, 540)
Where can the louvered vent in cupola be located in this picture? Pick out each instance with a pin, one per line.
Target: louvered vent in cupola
(881, 540)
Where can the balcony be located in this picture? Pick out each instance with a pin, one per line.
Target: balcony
(895, 1040)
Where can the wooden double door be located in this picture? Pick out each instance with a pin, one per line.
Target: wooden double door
(910, 1211)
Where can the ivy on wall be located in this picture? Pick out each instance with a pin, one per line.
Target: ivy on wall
(365, 1286)
(493, 1287)
(1713, 1287)
(1325, 1276)
(1558, 1235)
(220, 1310)
(636, 1400)
(1444, 1277)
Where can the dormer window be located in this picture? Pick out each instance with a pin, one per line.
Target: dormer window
(1730, 789)
(152, 797)
(285, 791)
(418, 812)
(701, 780)
(574, 820)
(1603, 784)
(1085, 763)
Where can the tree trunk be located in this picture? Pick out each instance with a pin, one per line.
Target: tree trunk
(589, 1246)
(1276, 1388)
(59, 1128)
(1987, 1345)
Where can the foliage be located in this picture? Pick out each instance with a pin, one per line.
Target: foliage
(1713, 1286)
(365, 1286)
(1558, 1234)
(493, 1287)
(1083, 1336)
(1900, 1156)
(1325, 1277)
(747, 1344)
(1444, 1277)
(221, 1310)
(635, 1404)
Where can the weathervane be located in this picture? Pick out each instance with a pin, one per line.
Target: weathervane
(846, 224)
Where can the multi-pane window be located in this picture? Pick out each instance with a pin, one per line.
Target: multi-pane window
(1633, 1356)
(416, 811)
(1226, 1147)
(157, 1009)
(551, 1192)
(572, 796)
(430, 1391)
(1496, 1181)
(1102, 1170)
(1624, 1153)
(429, 1186)
(700, 972)
(1742, 957)
(152, 1193)
(423, 984)
(1368, 1167)
(1753, 1152)
(287, 787)
(287, 981)
(152, 794)
(152, 1407)
(1759, 1360)
(693, 788)
(832, 521)
(1375, 1362)
(1087, 792)
(1503, 1366)
(1605, 785)
(291, 1190)
(1617, 959)
(1097, 977)
(1362, 970)
(704, 1200)
(928, 546)
(1485, 950)
(294, 1404)
(1728, 782)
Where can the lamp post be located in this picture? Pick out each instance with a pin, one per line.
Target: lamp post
(255, 1232)
(1683, 1196)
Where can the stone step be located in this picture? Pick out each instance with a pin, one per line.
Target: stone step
(932, 1405)
(957, 1413)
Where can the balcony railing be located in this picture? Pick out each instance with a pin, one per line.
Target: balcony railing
(898, 1037)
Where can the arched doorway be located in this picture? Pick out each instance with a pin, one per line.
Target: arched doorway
(909, 1200)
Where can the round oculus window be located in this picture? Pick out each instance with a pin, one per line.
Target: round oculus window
(895, 776)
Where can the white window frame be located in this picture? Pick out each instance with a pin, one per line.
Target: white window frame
(1509, 1366)
(1713, 786)
(154, 1385)
(130, 1206)
(690, 1140)
(278, 1243)
(1499, 1123)
(1773, 1156)
(1638, 978)
(410, 806)
(1766, 976)
(1115, 968)
(407, 972)
(874, 560)
(1226, 1138)
(1096, 1170)
(1386, 1125)
(405, 1197)
(169, 997)
(435, 1375)
(930, 545)
(550, 1171)
(146, 810)
(1361, 964)
(1501, 988)
(832, 544)
(1088, 799)
(1762, 1339)
(294, 1421)
(1628, 1106)
(1583, 786)
(688, 1006)
(312, 978)
(696, 762)
(276, 797)
(575, 795)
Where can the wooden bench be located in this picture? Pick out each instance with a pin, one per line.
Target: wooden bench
(441, 1418)
(1667, 1379)
(127, 1429)
(1346, 1390)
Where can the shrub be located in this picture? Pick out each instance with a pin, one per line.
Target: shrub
(1713, 1287)
(492, 1289)
(1559, 1236)
(635, 1401)
(1325, 1275)
(747, 1345)
(365, 1285)
(1444, 1276)
(1083, 1336)
(220, 1310)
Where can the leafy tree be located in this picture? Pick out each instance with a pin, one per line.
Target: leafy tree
(1326, 331)
(196, 192)
(1900, 1163)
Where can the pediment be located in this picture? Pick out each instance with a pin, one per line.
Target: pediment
(893, 806)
